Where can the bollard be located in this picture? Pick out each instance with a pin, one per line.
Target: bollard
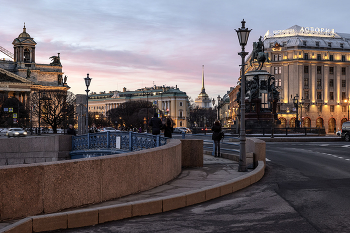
(183, 135)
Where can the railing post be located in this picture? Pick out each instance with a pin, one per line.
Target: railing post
(107, 139)
(305, 130)
(130, 141)
(183, 135)
(286, 131)
(157, 142)
(88, 140)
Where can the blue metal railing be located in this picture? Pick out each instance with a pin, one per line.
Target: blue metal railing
(124, 141)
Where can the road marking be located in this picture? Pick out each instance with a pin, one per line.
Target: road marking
(267, 160)
(340, 157)
(347, 159)
(324, 145)
(346, 146)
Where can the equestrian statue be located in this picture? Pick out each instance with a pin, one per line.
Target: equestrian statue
(258, 54)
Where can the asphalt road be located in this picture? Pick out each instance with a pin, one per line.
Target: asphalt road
(306, 188)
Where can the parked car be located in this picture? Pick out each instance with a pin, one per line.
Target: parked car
(16, 132)
(187, 130)
(345, 131)
(179, 130)
(109, 129)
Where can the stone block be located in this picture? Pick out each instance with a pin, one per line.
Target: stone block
(192, 152)
(50, 222)
(120, 175)
(21, 191)
(82, 218)
(226, 188)
(258, 147)
(250, 159)
(212, 192)
(9, 145)
(150, 169)
(71, 183)
(113, 213)
(153, 206)
(15, 161)
(172, 160)
(241, 182)
(195, 197)
(22, 226)
(174, 202)
(29, 160)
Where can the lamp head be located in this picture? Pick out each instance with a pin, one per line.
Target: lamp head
(87, 81)
(243, 34)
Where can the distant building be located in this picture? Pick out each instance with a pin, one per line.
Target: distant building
(170, 101)
(313, 63)
(203, 100)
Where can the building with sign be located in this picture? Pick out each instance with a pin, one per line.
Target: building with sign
(170, 101)
(311, 65)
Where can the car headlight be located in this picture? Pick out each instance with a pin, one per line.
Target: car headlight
(25, 133)
(16, 133)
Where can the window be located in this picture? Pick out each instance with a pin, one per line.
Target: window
(264, 100)
(331, 70)
(331, 57)
(342, 57)
(306, 94)
(319, 57)
(317, 43)
(319, 95)
(331, 82)
(180, 104)
(330, 44)
(306, 69)
(277, 70)
(306, 56)
(278, 82)
(341, 45)
(343, 71)
(284, 43)
(319, 82)
(343, 108)
(271, 45)
(306, 82)
(343, 96)
(343, 83)
(180, 123)
(331, 95)
(277, 57)
(180, 114)
(331, 108)
(304, 42)
(319, 68)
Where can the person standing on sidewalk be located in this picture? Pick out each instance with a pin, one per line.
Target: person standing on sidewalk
(217, 135)
(156, 124)
(168, 128)
(71, 130)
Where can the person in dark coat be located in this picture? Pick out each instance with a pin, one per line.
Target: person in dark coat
(168, 128)
(216, 129)
(156, 124)
(71, 130)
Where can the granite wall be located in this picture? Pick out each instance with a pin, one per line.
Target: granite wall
(31, 189)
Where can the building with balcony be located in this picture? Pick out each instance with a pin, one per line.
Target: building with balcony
(170, 101)
(312, 64)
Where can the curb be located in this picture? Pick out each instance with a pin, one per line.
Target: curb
(93, 216)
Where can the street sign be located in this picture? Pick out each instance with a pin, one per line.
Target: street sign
(15, 115)
(6, 109)
(10, 109)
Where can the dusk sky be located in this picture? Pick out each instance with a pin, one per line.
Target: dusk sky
(138, 43)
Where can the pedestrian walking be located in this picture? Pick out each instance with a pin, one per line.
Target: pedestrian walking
(156, 124)
(217, 136)
(168, 128)
(71, 130)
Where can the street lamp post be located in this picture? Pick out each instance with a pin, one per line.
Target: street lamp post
(296, 105)
(87, 83)
(243, 34)
(218, 107)
(301, 110)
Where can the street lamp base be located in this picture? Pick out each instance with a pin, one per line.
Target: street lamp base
(242, 168)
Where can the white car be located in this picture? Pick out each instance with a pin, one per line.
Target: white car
(16, 132)
(109, 129)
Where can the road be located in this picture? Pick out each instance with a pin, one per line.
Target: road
(306, 188)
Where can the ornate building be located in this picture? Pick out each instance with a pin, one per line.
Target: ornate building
(312, 65)
(169, 100)
(203, 100)
(21, 75)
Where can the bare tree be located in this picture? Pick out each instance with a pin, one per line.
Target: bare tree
(56, 107)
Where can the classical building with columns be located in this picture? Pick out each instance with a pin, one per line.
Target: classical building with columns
(20, 75)
(170, 101)
(312, 65)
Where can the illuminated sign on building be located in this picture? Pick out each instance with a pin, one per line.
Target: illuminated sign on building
(303, 31)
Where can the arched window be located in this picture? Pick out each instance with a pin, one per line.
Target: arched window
(283, 122)
(331, 125)
(307, 122)
(319, 122)
(26, 55)
(292, 122)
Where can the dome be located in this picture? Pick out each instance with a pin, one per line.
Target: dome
(24, 34)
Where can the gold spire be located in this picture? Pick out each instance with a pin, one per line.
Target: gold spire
(203, 77)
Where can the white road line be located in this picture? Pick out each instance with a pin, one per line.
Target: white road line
(267, 160)
(324, 145)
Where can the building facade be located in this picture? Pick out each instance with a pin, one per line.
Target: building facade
(312, 65)
(170, 101)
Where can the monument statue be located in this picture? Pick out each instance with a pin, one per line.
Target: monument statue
(65, 79)
(55, 60)
(28, 73)
(59, 79)
(258, 54)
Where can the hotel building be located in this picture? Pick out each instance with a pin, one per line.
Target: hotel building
(313, 65)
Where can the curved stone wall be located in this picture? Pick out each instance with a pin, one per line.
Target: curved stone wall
(33, 189)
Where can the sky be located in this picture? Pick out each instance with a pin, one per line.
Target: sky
(141, 43)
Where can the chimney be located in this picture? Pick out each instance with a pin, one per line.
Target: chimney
(124, 89)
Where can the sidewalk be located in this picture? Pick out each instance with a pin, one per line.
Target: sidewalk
(216, 178)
